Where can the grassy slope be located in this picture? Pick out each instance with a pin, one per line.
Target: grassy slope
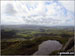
(29, 46)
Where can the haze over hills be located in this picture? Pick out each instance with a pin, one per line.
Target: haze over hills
(35, 27)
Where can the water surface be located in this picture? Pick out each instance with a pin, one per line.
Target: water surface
(47, 47)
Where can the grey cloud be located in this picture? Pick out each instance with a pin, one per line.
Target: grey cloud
(9, 10)
(41, 21)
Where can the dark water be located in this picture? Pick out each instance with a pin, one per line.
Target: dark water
(48, 46)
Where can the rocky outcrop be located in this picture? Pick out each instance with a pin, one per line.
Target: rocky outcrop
(69, 46)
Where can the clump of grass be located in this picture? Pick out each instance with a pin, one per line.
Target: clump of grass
(56, 52)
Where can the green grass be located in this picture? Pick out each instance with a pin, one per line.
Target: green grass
(16, 46)
(28, 45)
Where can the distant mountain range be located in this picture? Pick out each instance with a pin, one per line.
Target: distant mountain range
(35, 27)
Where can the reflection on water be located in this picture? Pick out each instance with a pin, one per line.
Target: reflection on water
(47, 47)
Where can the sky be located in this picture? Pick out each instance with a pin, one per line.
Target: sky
(48, 13)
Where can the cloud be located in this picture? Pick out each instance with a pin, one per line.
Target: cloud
(37, 13)
(9, 10)
(68, 5)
